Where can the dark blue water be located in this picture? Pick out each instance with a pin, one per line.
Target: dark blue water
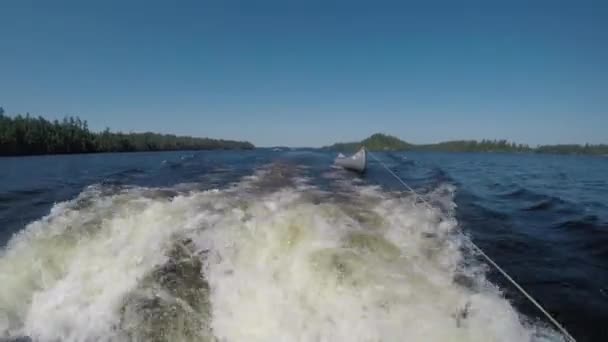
(544, 218)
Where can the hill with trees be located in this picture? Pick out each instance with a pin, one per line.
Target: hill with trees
(26, 135)
(383, 142)
(376, 142)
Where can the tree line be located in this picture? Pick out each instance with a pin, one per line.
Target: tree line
(380, 142)
(27, 135)
(484, 145)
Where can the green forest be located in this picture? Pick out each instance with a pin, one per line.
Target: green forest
(376, 142)
(27, 135)
(383, 142)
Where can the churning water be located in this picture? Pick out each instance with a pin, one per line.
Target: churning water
(245, 246)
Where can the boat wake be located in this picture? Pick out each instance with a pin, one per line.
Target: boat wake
(268, 258)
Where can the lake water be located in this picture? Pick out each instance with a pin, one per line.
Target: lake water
(263, 245)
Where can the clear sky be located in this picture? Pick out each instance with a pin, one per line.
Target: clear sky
(309, 73)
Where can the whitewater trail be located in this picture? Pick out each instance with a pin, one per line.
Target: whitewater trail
(271, 257)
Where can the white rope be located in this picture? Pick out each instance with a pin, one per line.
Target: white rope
(488, 259)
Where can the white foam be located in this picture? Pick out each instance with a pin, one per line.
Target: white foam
(298, 271)
(279, 268)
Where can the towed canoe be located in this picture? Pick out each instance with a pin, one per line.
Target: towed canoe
(356, 162)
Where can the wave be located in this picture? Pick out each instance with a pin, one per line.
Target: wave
(520, 193)
(11, 196)
(532, 201)
(589, 233)
(550, 203)
(586, 223)
(126, 173)
(540, 206)
(270, 257)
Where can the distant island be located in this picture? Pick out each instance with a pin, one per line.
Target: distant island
(384, 142)
(26, 135)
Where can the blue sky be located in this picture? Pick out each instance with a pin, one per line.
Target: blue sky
(308, 73)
